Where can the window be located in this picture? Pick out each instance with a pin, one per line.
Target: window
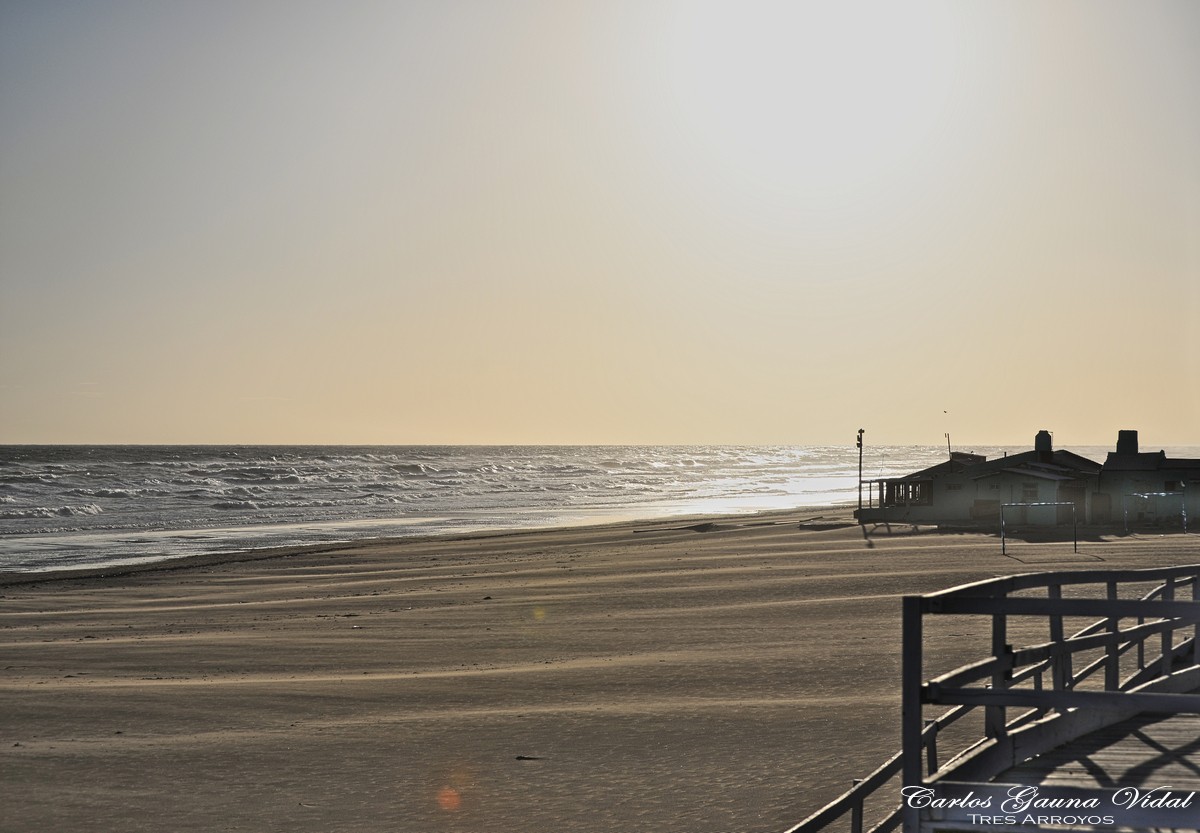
(1029, 492)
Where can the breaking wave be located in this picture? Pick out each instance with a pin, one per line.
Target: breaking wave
(51, 512)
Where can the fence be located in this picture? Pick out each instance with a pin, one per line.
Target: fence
(1037, 697)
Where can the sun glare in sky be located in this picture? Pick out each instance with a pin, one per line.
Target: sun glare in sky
(599, 222)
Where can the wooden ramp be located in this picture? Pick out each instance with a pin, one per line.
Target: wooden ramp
(1145, 752)
(1096, 729)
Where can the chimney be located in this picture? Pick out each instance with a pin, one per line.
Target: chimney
(1127, 442)
(1043, 444)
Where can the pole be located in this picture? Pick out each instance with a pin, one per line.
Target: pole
(860, 436)
(911, 711)
(949, 453)
(1183, 503)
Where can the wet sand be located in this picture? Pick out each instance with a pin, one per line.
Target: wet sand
(731, 674)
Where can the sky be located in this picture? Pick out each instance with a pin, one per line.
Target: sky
(611, 222)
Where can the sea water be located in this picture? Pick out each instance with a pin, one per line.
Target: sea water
(86, 506)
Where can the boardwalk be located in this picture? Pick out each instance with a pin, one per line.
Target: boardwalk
(1147, 751)
(1088, 729)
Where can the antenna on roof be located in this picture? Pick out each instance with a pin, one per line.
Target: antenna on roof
(949, 453)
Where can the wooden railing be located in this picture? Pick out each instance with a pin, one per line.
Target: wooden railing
(1036, 697)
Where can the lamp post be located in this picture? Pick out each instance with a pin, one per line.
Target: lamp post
(860, 435)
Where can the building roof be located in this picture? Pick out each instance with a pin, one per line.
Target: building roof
(951, 466)
(1039, 472)
(1062, 465)
(1134, 462)
(1149, 461)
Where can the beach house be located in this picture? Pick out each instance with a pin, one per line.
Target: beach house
(969, 489)
(1131, 488)
(1146, 487)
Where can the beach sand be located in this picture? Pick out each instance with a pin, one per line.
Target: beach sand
(674, 675)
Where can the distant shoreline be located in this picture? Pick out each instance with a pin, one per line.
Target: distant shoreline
(79, 509)
(85, 507)
(167, 563)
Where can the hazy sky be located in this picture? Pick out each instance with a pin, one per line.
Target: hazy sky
(599, 222)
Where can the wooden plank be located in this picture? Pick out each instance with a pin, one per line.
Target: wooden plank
(1187, 611)
(1026, 581)
(1142, 752)
(1066, 699)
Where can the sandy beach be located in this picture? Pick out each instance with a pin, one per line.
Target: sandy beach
(724, 674)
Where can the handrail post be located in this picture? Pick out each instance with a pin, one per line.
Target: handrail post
(931, 755)
(1112, 668)
(1168, 636)
(1141, 646)
(994, 716)
(912, 679)
(1196, 629)
(856, 812)
(1062, 663)
(1038, 687)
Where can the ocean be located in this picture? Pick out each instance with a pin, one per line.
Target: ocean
(88, 506)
